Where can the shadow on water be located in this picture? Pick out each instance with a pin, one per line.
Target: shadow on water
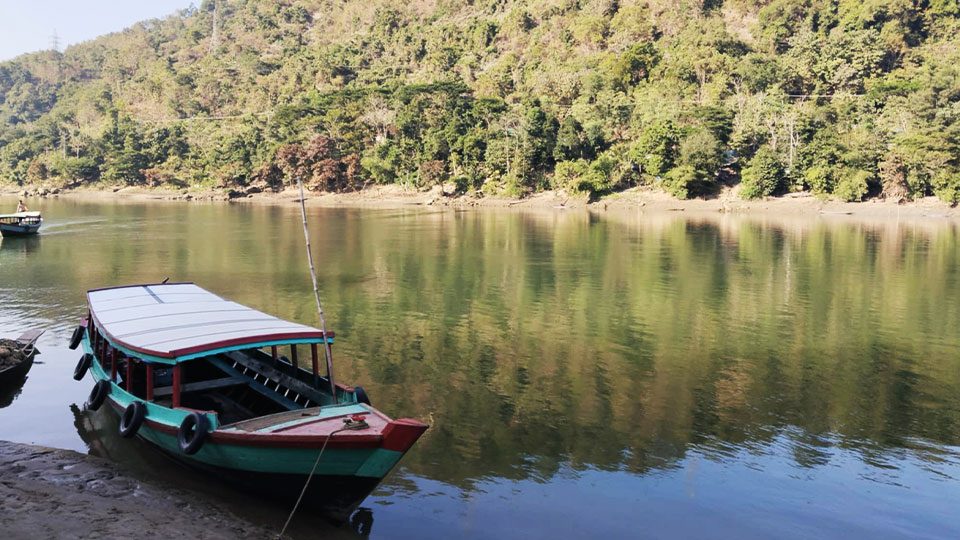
(15, 375)
(10, 391)
(21, 244)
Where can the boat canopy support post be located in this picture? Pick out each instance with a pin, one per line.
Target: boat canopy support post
(177, 378)
(129, 375)
(293, 356)
(149, 382)
(315, 359)
(329, 355)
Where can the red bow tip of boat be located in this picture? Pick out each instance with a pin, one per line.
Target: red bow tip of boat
(400, 434)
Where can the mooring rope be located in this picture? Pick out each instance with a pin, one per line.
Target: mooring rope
(351, 425)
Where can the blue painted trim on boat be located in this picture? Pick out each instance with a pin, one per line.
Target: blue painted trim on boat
(155, 412)
(211, 352)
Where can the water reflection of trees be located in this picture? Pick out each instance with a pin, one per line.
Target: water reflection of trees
(617, 342)
(623, 345)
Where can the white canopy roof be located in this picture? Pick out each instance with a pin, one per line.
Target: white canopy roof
(180, 319)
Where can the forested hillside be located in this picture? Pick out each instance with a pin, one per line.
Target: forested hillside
(849, 98)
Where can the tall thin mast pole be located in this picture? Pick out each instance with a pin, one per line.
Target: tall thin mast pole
(328, 352)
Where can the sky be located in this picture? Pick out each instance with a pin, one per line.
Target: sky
(28, 25)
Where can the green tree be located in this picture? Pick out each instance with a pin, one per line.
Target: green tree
(763, 176)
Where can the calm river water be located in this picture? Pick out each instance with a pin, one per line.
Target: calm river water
(611, 376)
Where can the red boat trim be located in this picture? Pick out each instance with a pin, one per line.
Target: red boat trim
(400, 435)
(296, 441)
(280, 441)
(260, 440)
(246, 340)
(139, 285)
(210, 346)
(315, 334)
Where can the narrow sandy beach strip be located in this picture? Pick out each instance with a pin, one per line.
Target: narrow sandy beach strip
(642, 199)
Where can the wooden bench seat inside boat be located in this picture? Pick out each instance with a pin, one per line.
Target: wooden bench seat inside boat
(255, 383)
(202, 385)
(240, 386)
(248, 365)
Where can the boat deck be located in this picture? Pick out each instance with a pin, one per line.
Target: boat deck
(311, 422)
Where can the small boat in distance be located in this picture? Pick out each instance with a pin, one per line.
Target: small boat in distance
(202, 379)
(20, 223)
(16, 359)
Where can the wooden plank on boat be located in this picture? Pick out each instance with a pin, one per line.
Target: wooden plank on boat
(261, 422)
(275, 374)
(224, 382)
(30, 336)
(256, 386)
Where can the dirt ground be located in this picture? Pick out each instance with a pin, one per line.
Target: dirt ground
(50, 493)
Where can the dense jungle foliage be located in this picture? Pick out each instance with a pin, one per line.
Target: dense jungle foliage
(849, 98)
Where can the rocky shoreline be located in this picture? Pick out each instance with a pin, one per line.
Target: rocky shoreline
(642, 199)
(51, 493)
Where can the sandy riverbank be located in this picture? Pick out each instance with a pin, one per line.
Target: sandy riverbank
(50, 493)
(637, 199)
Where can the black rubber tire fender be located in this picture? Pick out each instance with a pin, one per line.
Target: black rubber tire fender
(193, 433)
(132, 418)
(77, 337)
(82, 366)
(361, 394)
(98, 394)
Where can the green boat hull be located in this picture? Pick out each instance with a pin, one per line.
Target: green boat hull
(341, 479)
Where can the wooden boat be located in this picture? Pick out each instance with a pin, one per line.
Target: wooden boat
(203, 379)
(13, 373)
(20, 224)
